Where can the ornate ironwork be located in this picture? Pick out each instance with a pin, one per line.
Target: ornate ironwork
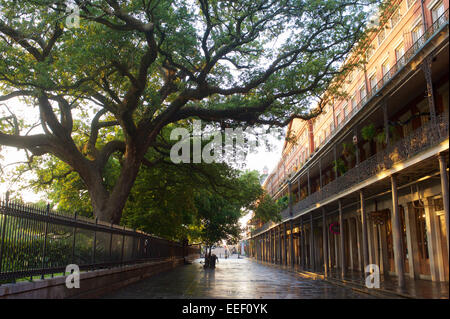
(421, 139)
(36, 242)
(379, 217)
(438, 25)
(429, 135)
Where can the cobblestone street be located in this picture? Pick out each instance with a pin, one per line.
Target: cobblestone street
(233, 278)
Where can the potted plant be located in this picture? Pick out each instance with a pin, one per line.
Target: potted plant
(348, 150)
(339, 166)
(368, 132)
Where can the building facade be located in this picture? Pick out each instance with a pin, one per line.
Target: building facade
(367, 179)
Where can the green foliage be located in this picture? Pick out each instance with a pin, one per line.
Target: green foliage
(143, 65)
(219, 214)
(368, 132)
(283, 202)
(380, 138)
(348, 150)
(267, 209)
(339, 166)
(165, 199)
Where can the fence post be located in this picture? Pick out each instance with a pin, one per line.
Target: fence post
(95, 242)
(44, 248)
(110, 243)
(123, 245)
(2, 243)
(73, 241)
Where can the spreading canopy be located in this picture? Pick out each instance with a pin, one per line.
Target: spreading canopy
(138, 66)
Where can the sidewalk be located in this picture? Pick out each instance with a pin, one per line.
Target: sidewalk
(416, 289)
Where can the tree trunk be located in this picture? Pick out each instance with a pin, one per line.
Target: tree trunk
(107, 207)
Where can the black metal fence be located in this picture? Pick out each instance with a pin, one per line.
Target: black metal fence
(39, 242)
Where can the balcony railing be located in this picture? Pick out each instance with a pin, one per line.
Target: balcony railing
(430, 134)
(438, 25)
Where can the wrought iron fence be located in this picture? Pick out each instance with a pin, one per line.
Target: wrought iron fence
(428, 135)
(39, 242)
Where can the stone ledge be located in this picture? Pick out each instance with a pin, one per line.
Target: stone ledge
(92, 283)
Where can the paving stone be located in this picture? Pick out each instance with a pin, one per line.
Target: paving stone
(232, 278)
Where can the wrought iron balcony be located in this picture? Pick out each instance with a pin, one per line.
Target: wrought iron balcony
(414, 49)
(425, 137)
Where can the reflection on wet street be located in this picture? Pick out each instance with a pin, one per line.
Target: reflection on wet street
(232, 278)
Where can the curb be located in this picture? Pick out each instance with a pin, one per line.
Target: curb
(380, 292)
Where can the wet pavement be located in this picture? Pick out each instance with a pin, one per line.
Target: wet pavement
(233, 278)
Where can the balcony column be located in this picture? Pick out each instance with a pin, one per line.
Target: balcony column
(272, 241)
(270, 246)
(386, 122)
(257, 248)
(285, 244)
(298, 183)
(279, 245)
(291, 247)
(262, 246)
(426, 68)
(302, 243)
(266, 246)
(309, 183)
(312, 261)
(320, 173)
(365, 247)
(444, 187)
(341, 237)
(261, 255)
(275, 244)
(397, 234)
(261, 241)
(412, 242)
(355, 142)
(335, 162)
(290, 197)
(325, 242)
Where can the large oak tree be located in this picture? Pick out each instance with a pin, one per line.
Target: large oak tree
(145, 64)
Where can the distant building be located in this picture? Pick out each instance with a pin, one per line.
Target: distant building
(264, 174)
